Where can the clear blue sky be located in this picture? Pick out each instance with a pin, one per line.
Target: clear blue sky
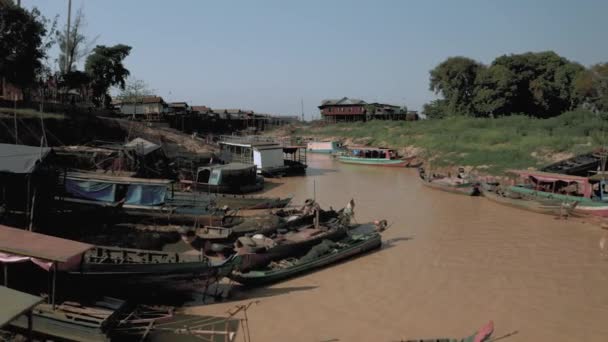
(267, 55)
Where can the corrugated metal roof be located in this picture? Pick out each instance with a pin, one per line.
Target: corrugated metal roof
(15, 304)
(25, 243)
(345, 101)
(21, 158)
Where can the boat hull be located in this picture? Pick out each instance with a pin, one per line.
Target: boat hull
(374, 161)
(528, 205)
(256, 278)
(585, 206)
(322, 151)
(280, 251)
(463, 189)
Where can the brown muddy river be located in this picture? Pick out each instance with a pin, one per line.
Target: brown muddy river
(449, 264)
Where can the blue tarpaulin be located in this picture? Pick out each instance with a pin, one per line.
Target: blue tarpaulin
(138, 194)
(146, 194)
(104, 192)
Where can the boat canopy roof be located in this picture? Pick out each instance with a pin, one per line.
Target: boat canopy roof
(21, 158)
(25, 243)
(549, 177)
(15, 304)
(229, 167)
(104, 178)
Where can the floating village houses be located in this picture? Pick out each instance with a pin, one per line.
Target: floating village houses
(148, 108)
(348, 110)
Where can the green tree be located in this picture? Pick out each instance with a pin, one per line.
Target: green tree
(436, 109)
(21, 44)
(543, 81)
(105, 67)
(591, 87)
(495, 88)
(455, 79)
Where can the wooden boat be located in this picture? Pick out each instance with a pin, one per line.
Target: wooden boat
(258, 251)
(75, 322)
(233, 178)
(517, 201)
(343, 249)
(225, 200)
(450, 184)
(580, 165)
(283, 219)
(133, 200)
(589, 193)
(481, 335)
(117, 267)
(373, 156)
(111, 319)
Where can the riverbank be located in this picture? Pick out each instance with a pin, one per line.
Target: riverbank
(488, 146)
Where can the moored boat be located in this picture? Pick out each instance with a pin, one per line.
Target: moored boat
(232, 178)
(518, 201)
(589, 193)
(458, 185)
(373, 156)
(325, 253)
(112, 267)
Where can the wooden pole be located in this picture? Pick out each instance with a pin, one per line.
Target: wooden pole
(5, 266)
(15, 119)
(53, 284)
(29, 326)
(32, 209)
(67, 38)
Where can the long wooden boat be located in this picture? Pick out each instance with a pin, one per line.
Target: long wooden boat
(259, 251)
(111, 319)
(589, 193)
(74, 322)
(224, 200)
(348, 247)
(449, 184)
(114, 267)
(373, 156)
(266, 224)
(517, 201)
(578, 206)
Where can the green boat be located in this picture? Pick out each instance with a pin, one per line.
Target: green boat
(590, 194)
(373, 156)
(323, 254)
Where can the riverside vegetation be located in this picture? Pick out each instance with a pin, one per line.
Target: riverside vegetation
(492, 145)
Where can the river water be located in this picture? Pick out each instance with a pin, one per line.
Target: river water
(448, 265)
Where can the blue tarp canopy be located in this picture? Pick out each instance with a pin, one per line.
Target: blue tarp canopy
(137, 194)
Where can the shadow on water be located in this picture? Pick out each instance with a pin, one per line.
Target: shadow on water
(267, 187)
(390, 243)
(227, 293)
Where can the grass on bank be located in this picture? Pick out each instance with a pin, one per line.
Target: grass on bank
(492, 144)
(28, 113)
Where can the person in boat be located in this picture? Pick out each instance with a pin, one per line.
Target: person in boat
(461, 173)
